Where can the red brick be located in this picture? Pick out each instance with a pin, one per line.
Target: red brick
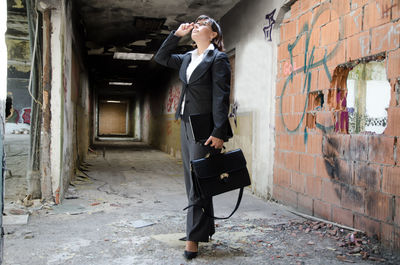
(371, 227)
(367, 176)
(393, 126)
(393, 93)
(359, 147)
(378, 205)
(313, 186)
(323, 80)
(314, 38)
(279, 128)
(294, 122)
(285, 196)
(330, 33)
(292, 161)
(398, 151)
(396, 238)
(314, 144)
(385, 37)
(295, 86)
(377, 13)
(393, 65)
(295, 9)
(320, 169)
(314, 81)
(339, 8)
(300, 46)
(331, 192)
(284, 141)
(321, 16)
(395, 10)
(387, 234)
(279, 158)
(358, 3)
(290, 30)
(305, 19)
(357, 46)
(322, 210)
(352, 198)
(298, 182)
(307, 164)
(279, 87)
(282, 177)
(299, 103)
(283, 52)
(397, 212)
(306, 5)
(353, 22)
(287, 104)
(381, 149)
(336, 145)
(338, 56)
(342, 216)
(305, 204)
(391, 180)
(298, 143)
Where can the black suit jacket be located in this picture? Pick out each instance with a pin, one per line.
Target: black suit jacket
(208, 88)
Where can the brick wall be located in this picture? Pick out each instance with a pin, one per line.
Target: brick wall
(319, 168)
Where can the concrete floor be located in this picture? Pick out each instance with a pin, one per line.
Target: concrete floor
(133, 186)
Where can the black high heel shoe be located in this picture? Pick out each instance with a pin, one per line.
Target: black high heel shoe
(189, 254)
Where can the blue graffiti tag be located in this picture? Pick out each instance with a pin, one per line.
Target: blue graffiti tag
(309, 64)
(268, 28)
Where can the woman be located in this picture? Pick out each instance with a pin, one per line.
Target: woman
(205, 75)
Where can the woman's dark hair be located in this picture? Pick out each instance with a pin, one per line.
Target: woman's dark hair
(218, 41)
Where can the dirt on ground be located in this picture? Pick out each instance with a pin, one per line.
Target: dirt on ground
(125, 207)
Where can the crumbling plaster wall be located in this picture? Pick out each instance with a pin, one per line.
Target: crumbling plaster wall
(253, 91)
(319, 168)
(160, 129)
(65, 100)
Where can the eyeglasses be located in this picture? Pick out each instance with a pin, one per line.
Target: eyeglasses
(202, 23)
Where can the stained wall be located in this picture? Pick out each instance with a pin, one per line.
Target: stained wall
(319, 167)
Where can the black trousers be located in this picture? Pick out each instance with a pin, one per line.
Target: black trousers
(198, 226)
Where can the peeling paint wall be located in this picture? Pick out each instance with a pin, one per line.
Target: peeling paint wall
(160, 128)
(248, 33)
(69, 98)
(320, 168)
(19, 62)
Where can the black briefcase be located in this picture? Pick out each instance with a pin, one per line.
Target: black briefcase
(220, 173)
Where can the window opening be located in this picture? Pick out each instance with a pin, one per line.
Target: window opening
(368, 97)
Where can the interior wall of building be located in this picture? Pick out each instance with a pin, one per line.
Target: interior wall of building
(249, 35)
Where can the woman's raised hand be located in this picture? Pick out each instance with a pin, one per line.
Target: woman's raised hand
(184, 29)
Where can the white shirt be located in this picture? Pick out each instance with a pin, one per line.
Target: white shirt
(196, 60)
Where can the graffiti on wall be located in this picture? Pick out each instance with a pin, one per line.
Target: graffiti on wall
(309, 65)
(26, 115)
(172, 101)
(270, 23)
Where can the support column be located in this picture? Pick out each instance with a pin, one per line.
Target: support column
(33, 169)
(46, 129)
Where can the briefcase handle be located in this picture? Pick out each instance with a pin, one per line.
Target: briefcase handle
(239, 199)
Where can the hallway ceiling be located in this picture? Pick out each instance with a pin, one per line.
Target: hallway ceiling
(136, 26)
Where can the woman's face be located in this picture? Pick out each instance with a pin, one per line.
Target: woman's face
(202, 31)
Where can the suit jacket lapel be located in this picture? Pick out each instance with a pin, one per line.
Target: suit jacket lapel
(202, 67)
(184, 66)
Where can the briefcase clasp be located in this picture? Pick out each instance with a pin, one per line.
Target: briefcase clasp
(224, 176)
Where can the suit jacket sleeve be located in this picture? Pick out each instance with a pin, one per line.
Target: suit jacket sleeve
(221, 78)
(164, 55)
